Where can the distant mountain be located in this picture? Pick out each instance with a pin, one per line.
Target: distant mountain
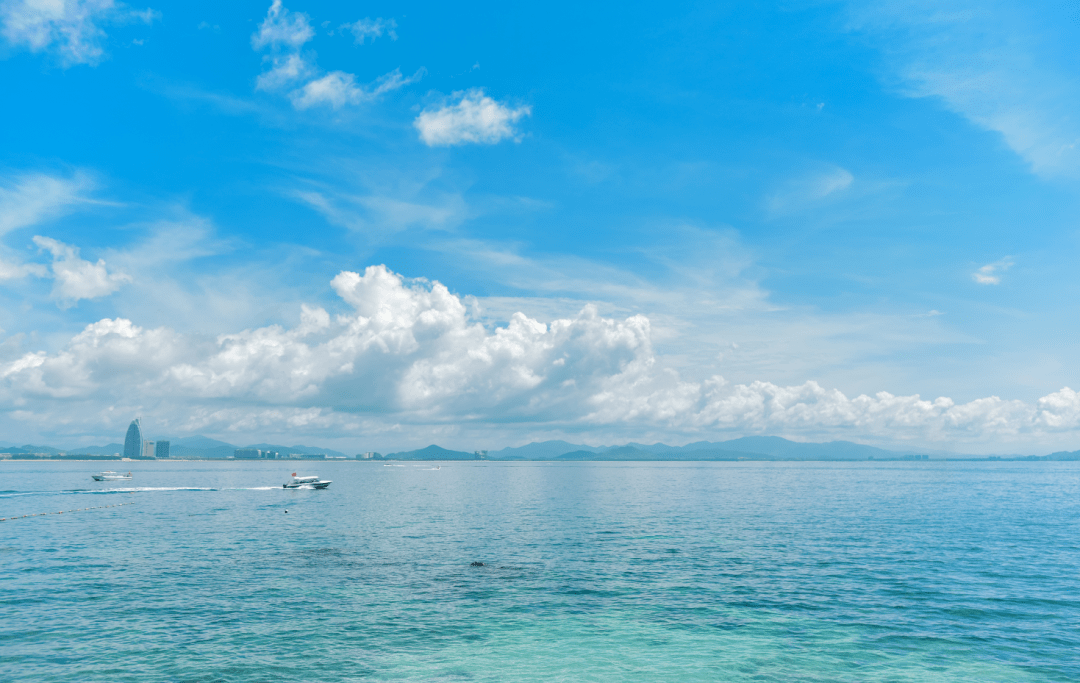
(297, 450)
(661, 448)
(714, 454)
(30, 448)
(635, 453)
(577, 455)
(198, 443)
(186, 452)
(1064, 455)
(540, 451)
(432, 452)
(107, 449)
(197, 447)
(793, 450)
(747, 448)
(615, 453)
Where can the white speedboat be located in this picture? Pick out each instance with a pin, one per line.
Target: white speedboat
(109, 475)
(305, 483)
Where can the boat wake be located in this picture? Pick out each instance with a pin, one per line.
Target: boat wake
(136, 489)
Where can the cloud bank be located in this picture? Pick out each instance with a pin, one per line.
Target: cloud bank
(408, 354)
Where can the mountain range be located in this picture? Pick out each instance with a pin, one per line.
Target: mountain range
(745, 448)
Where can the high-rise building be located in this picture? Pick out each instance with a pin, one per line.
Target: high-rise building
(161, 450)
(133, 442)
(148, 449)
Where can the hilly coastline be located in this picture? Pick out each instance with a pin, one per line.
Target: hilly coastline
(744, 448)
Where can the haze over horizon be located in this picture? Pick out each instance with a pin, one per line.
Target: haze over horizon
(398, 225)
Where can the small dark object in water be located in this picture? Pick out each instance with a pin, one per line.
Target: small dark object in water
(286, 512)
(477, 564)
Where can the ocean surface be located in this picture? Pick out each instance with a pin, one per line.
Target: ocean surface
(749, 571)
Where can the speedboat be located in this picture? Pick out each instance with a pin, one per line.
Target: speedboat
(109, 475)
(305, 483)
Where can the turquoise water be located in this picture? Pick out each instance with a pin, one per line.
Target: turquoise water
(931, 571)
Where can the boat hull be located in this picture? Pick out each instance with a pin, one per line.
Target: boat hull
(106, 477)
(307, 485)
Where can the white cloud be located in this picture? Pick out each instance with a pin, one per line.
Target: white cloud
(76, 278)
(282, 29)
(16, 271)
(409, 353)
(1007, 67)
(284, 33)
(337, 89)
(475, 118)
(372, 28)
(807, 190)
(284, 71)
(72, 28)
(990, 274)
(32, 198)
(380, 216)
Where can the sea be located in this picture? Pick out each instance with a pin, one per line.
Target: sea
(591, 571)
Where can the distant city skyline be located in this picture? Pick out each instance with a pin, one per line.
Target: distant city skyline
(389, 227)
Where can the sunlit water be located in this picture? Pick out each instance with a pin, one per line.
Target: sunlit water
(932, 571)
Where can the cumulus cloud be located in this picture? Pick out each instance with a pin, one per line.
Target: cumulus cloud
(473, 118)
(372, 28)
(70, 28)
(76, 278)
(990, 274)
(409, 352)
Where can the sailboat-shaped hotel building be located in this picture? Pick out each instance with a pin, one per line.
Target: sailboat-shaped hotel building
(136, 447)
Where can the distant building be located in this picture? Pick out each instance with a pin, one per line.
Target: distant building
(366, 456)
(255, 454)
(148, 449)
(313, 456)
(133, 442)
(480, 455)
(161, 450)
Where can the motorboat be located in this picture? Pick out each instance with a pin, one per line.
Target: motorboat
(109, 475)
(305, 483)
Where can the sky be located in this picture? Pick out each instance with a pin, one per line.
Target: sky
(380, 226)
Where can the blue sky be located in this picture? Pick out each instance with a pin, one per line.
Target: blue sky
(384, 225)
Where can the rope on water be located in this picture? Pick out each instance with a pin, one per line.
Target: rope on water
(38, 514)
